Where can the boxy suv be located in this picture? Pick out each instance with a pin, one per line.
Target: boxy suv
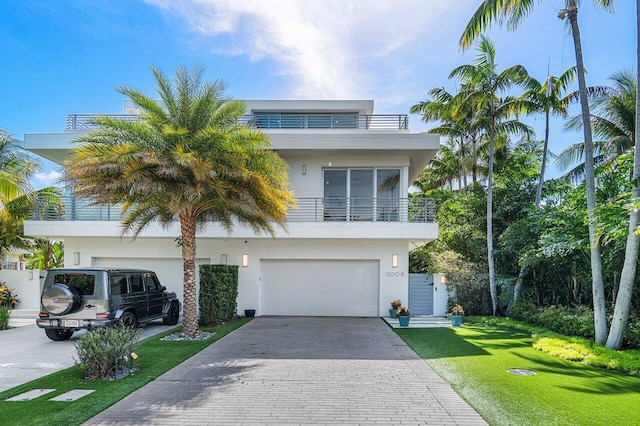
(73, 299)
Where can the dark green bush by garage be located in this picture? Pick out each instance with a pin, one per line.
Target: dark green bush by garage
(218, 294)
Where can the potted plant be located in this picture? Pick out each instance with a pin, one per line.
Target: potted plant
(403, 316)
(457, 312)
(394, 307)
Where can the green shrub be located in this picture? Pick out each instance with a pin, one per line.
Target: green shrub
(99, 349)
(4, 317)
(218, 294)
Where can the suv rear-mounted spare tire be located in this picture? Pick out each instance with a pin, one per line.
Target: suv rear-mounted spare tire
(60, 299)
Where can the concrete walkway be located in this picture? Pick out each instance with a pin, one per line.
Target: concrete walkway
(298, 370)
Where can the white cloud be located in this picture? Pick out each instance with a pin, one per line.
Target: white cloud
(49, 178)
(330, 49)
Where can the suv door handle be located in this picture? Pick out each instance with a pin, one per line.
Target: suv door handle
(89, 306)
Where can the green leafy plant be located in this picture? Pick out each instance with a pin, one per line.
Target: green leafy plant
(4, 317)
(218, 294)
(7, 298)
(104, 353)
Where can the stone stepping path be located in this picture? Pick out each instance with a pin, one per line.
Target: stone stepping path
(70, 396)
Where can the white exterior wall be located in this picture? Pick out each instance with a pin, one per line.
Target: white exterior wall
(440, 296)
(158, 252)
(26, 285)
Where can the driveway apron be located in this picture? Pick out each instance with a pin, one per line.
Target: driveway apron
(298, 370)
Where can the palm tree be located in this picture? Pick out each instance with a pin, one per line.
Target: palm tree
(481, 92)
(547, 98)
(514, 12)
(613, 123)
(187, 160)
(627, 277)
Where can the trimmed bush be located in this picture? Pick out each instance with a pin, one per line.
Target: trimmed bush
(218, 294)
(98, 350)
(4, 317)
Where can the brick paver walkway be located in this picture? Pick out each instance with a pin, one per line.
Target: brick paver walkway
(298, 370)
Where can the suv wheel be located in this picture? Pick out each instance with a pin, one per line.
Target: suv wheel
(58, 334)
(172, 316)
(60, 299)
(128, 319)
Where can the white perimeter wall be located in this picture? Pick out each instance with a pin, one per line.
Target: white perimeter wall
(26, 286)
(393, 282)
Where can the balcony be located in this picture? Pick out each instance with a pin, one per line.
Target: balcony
(268, 121)
(406, 210)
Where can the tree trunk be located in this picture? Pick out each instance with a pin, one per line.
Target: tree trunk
(518, 287)
(599, 310)
(627, 278)
(492, 279)
(544, 159)
(188, 233)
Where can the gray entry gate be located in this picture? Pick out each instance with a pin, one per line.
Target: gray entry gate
(421, 294)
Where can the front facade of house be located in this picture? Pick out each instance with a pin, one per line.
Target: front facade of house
(345, 249)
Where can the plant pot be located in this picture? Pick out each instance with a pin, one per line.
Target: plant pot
(392, 313)
(456, 320)
(404, 320)
(249, 313)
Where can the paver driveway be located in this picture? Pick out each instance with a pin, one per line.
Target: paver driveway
(298, 370)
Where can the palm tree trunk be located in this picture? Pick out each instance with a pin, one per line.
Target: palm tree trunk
(188, 233)
(599, 310)
(544, 159)
(627, 278)
(492, 278)
(474, 164)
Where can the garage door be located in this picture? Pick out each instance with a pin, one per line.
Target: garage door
(169, 270)
(319, 287)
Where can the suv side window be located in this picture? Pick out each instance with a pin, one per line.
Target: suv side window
(136, 284)
(118, 284)
(151, 283)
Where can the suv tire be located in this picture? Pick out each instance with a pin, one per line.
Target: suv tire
(172, 315)
(128, 319)
(58, 334)
(61, 299)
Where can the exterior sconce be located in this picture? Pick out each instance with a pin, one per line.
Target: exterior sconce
(245, 260)
(304, 169)
(76, 258)
(394, 260)
(443, 279)
(223, 259)
(30, 275)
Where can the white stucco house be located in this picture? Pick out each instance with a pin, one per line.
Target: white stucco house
(346, 247)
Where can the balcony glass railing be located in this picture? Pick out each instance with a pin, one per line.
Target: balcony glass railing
(278, 121)
(421, 210)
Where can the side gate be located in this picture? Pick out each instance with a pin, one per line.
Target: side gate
(421, 294)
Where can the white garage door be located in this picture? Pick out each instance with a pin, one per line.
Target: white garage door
(168, 270)
(320, 287)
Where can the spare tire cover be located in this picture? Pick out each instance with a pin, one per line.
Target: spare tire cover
(60, 299)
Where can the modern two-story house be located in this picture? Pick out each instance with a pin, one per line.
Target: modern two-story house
(346, 247)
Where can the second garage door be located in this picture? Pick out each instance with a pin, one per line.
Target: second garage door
(320, 287)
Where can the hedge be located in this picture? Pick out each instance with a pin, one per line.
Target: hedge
(218, 294)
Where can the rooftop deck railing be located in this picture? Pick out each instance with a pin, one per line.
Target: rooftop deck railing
(414, 210)
(277, 121)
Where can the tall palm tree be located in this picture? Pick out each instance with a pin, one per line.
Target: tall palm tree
(186, 160)
(514, 12)
(482, 90)
(548, 98)
(627, 277)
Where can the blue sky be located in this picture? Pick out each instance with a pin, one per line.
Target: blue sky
(66, 57)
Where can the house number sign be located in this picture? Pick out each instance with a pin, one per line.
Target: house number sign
(394, 274)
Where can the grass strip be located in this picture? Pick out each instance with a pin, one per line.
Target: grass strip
(155, 357)
(475, 360)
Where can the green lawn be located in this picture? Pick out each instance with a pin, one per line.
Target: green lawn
(475, 360)
(155, 357)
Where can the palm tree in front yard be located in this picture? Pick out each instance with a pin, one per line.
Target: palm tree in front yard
(186, 160)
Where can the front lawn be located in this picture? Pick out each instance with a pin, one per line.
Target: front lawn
(475, 360)
(155, 357)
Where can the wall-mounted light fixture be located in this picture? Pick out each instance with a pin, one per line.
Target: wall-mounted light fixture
(304, 169)
(30, 275)
(245, 260)
(394, 260)
(76, 258)
(443, 279)
(223, 259)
